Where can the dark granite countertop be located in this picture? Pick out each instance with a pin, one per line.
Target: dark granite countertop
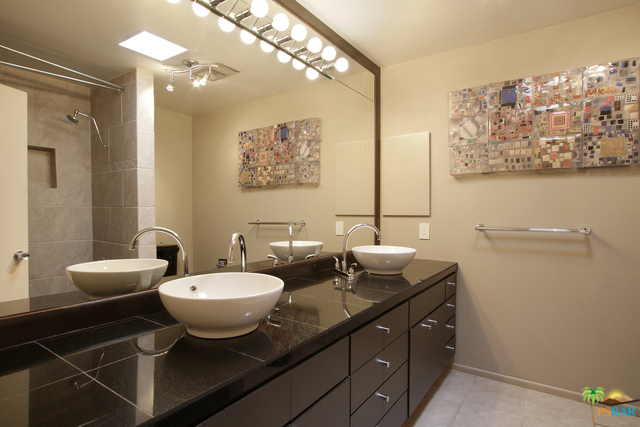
(145, 370)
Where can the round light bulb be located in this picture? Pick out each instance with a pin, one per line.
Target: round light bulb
(196, 83)
(329, 53)
(259, 8)
(342, 64)
(199, 9)
(280, 22)
(225, 25)
(298, 32)
(283, 57)
(266, 47)
(174, 2)
(299, 65)
(170, 87)
(312, 74)
(314, 45)
(247, 37)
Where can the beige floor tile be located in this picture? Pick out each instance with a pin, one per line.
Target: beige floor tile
(544, 410)
(432, 412)
(454, 387)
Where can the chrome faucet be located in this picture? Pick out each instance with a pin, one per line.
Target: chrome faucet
(290, 242)
(344, 268)
(243, 250)
(185, 258)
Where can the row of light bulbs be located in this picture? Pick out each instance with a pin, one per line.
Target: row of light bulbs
(280, 23)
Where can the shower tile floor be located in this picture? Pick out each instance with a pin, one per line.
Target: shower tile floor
(464, 400)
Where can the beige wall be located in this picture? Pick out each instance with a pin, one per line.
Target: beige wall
(221, 207)
(560, 310)
(174, 194)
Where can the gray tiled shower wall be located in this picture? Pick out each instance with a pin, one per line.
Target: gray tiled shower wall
(102, 197)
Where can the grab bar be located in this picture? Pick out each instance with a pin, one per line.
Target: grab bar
(583, 230)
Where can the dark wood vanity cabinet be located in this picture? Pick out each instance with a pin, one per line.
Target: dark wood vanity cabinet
(431, 338)
(376, 376)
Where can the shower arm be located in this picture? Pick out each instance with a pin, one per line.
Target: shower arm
(105, 146)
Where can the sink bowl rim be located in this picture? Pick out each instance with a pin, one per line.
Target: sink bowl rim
(78, 268)
(378, 249)
(188, 296)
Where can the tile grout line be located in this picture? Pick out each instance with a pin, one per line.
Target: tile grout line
(462, 402)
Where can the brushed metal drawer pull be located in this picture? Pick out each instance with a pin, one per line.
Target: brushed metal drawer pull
(384, 362)
(386, 398)
(448, 347)
(425, 326)
(384, 329)
(451, 326)
(435, 322)
(451, 283)
(451, 305)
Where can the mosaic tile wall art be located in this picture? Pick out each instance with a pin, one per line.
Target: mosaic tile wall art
(286, 153)
(585, 117)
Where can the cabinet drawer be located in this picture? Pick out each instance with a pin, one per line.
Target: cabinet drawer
(437, 296)
(382, 400)
(371, 339)
(450, 328)
(377, 370)
(451, 348)
(419, 307)
(450, 307)
(396, 415)
(269, 406)
(452, 283)
(314, 377)
(331, 410)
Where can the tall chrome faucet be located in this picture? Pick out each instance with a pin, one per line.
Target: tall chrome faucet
(185, 258)
(243, 250)
(344, 268)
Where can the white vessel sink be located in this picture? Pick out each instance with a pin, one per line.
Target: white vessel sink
(115, 277)
(301, 249)
(221, 305)
(384, 259)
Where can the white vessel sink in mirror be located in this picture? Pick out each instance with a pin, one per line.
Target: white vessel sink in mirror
(221, 305)
(301, 249)
(384, 259)
(115, 277)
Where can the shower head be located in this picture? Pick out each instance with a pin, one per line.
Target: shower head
(74, 119)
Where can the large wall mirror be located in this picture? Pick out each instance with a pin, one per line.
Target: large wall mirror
(194, 136)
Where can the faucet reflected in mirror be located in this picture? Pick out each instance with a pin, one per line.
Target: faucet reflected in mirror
(185, 258)
(243, 250)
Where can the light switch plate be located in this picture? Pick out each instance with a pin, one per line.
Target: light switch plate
(424, 231)
(339, 228)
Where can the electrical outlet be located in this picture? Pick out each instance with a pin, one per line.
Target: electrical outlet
(424, 231)
(339, 228)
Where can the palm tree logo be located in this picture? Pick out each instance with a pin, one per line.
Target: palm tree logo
(593, 396)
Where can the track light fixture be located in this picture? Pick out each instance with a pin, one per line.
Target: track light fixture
(255, 24)
(200, 74)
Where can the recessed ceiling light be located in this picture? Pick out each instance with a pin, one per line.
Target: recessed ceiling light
(153, 46)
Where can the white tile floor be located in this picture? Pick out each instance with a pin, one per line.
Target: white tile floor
(464, 400)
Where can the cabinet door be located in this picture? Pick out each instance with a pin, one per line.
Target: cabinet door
(331, 410)
(269, 406)
(427, 357)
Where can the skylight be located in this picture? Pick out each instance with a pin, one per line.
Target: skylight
(153, 46)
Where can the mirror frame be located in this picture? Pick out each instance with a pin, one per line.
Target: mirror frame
(32, 325)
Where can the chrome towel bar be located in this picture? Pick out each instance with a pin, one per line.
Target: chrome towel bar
(583, 230)
(258, 222)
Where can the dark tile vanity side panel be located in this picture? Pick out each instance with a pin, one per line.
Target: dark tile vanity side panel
(316, 376)
(330, 411)
(268, 406)
(369, 340)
